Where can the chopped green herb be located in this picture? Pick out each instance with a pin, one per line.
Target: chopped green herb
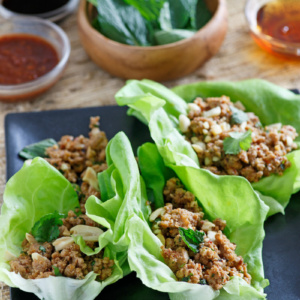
(77, 211)
(83, 220)
(46, 229)
(37, 149)
(213, 275)
(238, 116)
(43, 249)
(258, 125)
(282, 166)
(93, 263)
(202, 281)
(56, 271)
(187, 278)
(178, 183)
(76, 188)
(192, 238)
(237, 141)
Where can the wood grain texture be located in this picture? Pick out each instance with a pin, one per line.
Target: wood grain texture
(85, 84)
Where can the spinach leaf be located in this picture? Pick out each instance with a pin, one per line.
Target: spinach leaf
(192, 238)
(149, 9)
(203, 15)
(238, 116)
(46, 229)
(183, 13)
(163, 37)
(43, 249)
(237, 141)
(123, 23)
(165, 17)
(149, 22)
(37, 149)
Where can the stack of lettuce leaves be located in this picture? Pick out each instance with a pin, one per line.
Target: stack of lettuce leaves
(220, 197)
(160, 107)
(39, 189)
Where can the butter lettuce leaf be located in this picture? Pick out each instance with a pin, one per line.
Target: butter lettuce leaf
(223, 197)
(160, 108)
(127, 193)
(36, 190)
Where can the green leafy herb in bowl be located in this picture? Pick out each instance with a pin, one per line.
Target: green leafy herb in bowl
(155, 39)
(155, 22)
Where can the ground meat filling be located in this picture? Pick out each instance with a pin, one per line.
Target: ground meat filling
(210, 122)
(73, 156)
(216, 260)
(61, 257)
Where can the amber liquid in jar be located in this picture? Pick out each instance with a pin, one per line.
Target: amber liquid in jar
(280, 19)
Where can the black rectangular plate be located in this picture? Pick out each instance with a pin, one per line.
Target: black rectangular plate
(281, 245)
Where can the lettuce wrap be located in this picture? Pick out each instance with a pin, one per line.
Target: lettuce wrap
(160, 108)
(36, 190)
(123, 193)
(220, 197)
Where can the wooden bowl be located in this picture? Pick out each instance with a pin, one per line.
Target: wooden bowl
(156, 62)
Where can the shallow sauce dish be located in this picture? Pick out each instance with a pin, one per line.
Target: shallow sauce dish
(54, 36)
(159, 63)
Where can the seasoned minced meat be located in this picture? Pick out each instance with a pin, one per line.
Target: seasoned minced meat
(175, 218)
(72, 220)
(69, 261)
(180, 198)
(72, 156)
(211, 122)
(216, 260)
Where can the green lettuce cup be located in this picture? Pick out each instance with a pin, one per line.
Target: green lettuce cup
(160, 108)
(38, 189)
(220, 197)
(123, 193)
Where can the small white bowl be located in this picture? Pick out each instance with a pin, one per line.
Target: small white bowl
(53, 15)
(49, 32)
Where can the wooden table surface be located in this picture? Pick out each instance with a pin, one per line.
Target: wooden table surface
(84, 84)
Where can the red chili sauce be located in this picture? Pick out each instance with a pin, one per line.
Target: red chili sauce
(24, 58)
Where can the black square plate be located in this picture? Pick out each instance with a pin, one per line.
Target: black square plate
(282, 242)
